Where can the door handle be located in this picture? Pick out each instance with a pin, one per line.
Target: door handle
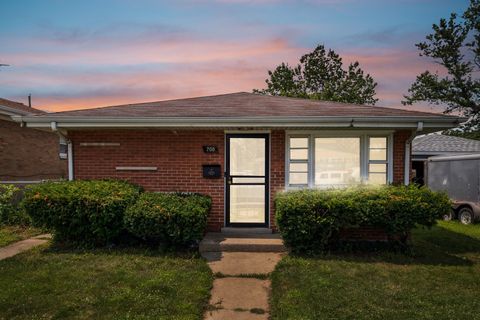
(229, 179)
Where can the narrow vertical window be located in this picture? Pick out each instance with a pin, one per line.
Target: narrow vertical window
(298, 161)
(377, 160)
(63, 148)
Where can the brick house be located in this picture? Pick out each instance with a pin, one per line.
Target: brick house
(27, 155)
(241, 148)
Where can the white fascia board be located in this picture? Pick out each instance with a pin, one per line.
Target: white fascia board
(12, 112)
(251, 122)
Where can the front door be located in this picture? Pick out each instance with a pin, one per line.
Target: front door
(247, 180)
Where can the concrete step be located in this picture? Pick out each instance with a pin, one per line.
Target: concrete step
(228, 230)
(219, 242)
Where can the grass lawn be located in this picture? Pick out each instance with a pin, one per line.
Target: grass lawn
(10, 234)
(441, 280)
(103, 284)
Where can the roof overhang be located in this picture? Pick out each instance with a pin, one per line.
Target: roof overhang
(12, 111)
(428, 123)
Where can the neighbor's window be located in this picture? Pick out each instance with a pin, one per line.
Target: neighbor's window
(337, 161)
(298, 164)
(377, 160)
(63, 149)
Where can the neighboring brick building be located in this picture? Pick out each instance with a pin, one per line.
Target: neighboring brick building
(241, 149)
(27, 155)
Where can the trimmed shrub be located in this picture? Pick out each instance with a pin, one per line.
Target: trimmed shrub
(83, 213)
(10, 214)
(171, 218)
(310, 220)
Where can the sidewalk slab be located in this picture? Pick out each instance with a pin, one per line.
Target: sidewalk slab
(24, 245)
(238, 263)
(239, 295)
(223, 314)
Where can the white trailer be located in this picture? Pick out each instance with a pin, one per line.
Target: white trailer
(459, 176)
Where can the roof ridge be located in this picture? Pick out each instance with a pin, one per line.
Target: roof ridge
(149, 102)
(353, 104)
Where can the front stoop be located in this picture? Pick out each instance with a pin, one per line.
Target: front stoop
(230, 230)
(242, 242)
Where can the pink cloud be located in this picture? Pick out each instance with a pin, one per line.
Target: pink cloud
(166, 51)
(105, 72)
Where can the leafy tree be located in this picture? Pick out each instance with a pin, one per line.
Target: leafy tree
(454, 44)
(470, 134)
(320, 75)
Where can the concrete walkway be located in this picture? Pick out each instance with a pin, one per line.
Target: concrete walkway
(241, 289)
(24, 245)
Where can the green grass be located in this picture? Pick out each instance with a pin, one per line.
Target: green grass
(10, 234)
(439, 280)
(103, 284)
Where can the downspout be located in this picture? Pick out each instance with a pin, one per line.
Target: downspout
(408, 146)
(53, 126)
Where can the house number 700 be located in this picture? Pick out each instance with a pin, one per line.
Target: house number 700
(210, 149)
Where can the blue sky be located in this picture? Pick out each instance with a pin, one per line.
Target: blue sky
(80, 54)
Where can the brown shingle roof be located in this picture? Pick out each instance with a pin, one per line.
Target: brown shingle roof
(242, 104)
(19, 106)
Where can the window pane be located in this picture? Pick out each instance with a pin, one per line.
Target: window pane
(302, 167)
(247, 156)
(298, 142)
(299, 154)
(378, 154)
(247, 203)
(377, 167)
(337, 161)
(378, 143)
(298, 178)
(377, 178)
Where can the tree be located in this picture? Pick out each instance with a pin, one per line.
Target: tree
(320, 75)
(455, 45)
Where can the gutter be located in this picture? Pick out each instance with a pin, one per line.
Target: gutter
(53, 126)
(13, 112)
(455, 157)
(408, 146)
(251, 122)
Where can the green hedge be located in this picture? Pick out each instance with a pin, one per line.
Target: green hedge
(172, 219)
(10, 214)
(86, 213)
(309, 220)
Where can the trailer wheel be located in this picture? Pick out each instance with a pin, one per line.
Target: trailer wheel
(449, 216)
(465, 215)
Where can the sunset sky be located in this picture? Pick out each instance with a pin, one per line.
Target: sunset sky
(81, 54)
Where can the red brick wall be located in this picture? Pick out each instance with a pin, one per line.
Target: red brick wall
(399, 139)
(277, 169)
(179, 156)
(29, 154)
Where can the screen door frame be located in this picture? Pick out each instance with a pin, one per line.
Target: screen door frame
(228, 180)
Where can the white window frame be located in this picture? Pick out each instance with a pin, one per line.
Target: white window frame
(309, 160)
(364, 152)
